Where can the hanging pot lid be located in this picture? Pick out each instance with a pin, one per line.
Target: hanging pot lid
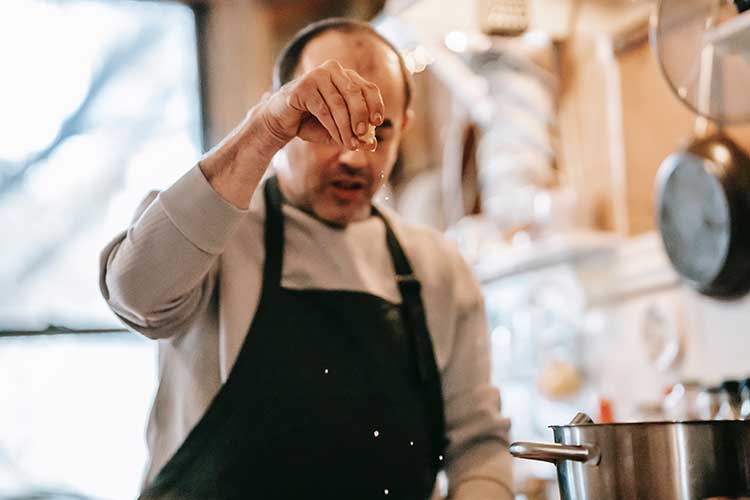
(701, 51)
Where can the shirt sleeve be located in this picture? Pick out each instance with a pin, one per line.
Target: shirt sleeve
(478, 463)
(160, 271)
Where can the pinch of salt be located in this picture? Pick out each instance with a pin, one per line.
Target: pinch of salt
(369, 136)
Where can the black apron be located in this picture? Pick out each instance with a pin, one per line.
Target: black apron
(334, 394)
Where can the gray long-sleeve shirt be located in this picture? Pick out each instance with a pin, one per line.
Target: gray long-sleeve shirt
(188, 272)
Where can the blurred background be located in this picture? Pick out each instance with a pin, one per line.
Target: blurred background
(536, 147)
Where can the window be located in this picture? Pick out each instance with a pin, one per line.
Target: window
(100, 104)
(73, 415)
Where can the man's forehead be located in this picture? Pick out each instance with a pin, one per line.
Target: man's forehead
(360, 51)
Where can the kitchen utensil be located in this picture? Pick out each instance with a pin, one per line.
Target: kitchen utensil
(647, 461)
(581, 418)
(702, 191)
(694, 62)
(703, 215)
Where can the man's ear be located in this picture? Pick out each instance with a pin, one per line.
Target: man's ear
(408, 120)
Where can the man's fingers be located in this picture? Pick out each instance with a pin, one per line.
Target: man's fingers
(339, 110)
(372, 97)
(346, 105)
(351, 90)
(316, 105)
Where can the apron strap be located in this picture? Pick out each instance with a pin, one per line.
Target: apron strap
(274, 236)
(411, 294)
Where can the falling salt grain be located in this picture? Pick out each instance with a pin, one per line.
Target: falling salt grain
(440, 458)
(326, 371)
(376, 433)
(385, 491)
(411, 443)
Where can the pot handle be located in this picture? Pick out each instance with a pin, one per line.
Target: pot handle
(551, 452)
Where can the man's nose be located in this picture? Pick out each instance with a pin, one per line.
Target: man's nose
(354, 159)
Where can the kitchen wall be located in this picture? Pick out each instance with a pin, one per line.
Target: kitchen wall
(645, 307)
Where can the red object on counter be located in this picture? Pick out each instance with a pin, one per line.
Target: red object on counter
(606, 415)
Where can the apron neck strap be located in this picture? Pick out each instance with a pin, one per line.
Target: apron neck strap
(274, 240)
(401, 263)
(411, 294)
(274, 235)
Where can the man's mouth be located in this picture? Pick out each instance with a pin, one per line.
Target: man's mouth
(349, 189)
(350, 185)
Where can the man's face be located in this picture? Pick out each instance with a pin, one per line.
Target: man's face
(337, 184)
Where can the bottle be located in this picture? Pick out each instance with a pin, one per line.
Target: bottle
(729, 401)
(708, 402)
(605, 413)
(745, 396)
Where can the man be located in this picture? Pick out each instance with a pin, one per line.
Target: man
(310, 345)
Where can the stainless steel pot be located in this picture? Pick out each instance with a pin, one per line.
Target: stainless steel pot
(648, 461)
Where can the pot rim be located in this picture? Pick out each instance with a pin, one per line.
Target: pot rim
(656, 423)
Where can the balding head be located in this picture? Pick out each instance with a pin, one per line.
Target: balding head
(288, 64)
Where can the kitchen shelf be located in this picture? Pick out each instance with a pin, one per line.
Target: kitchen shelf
(573, 248)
